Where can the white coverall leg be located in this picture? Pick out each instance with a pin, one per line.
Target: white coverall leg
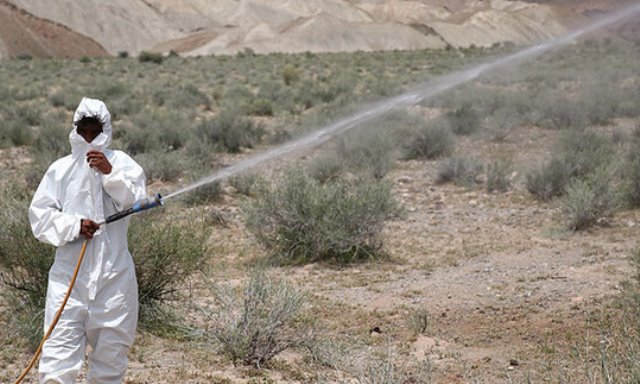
(102, 310)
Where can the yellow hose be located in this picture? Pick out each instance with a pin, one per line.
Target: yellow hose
(57, 316)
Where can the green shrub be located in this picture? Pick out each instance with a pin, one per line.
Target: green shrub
(577, 154)
(432, 141)
(206, 194)
(166, 253)
(590, 199)
(266, 318)
(245, 183)
(150, 57)
(464, 120)
(300, 220)
(24, 268)
(584, 151)
(163, 166)
(187, 96)
(231, 131)
(549, 180)
(368, 150)
(631, 175)
(499, 175)
(290, 74)
(138, 140)
(261, 107)
(52, 141)
(461, 171)
(558, 112)
(326, 168)
(16, 133)
(501, 123)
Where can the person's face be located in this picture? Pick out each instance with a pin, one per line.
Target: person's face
(89, 131)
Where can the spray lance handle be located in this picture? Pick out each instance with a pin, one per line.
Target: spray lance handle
(139, 206)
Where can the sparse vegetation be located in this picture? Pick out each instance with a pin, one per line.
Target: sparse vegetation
(190, 115)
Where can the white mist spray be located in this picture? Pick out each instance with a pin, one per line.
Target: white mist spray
(420, 94)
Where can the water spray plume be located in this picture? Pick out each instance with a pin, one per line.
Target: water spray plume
(418, 95)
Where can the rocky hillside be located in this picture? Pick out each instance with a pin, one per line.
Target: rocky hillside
(202, 27)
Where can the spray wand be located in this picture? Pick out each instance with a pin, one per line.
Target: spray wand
(138, 206)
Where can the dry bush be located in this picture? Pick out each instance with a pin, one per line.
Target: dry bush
(265, 318)
(499, 175)
(355, 362)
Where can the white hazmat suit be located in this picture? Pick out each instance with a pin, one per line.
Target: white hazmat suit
(103, 308)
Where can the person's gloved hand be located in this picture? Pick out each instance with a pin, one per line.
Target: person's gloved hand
(98, 160)
(88, 228)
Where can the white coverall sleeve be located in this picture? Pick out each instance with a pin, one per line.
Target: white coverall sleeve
(49, 223)
(126, 183)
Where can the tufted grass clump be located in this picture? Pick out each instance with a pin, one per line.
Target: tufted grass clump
(263, 318)
(300, 220)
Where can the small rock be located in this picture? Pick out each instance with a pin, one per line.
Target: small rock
(514, 362)
(510, 368)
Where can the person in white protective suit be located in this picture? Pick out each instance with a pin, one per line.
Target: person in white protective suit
(77, 192)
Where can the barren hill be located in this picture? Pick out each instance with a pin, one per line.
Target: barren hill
(22, 33)
(201, 27)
